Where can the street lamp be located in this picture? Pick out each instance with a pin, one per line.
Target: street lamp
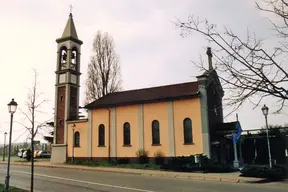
(12, 106)
(265, 111)
(5, 134)
(73, 145)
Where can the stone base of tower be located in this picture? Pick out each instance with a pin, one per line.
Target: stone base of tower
(58, 153)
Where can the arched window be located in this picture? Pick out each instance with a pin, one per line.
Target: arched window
(76, 139)
(155, 133)
(126, 134)
(187, 129)
(63, 58)
(101, 135)
(74, 58)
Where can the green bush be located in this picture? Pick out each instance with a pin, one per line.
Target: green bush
(12, 189)
(115, 164)
(159, 157)
(142, 156)
(275, 173)
(122, 161)
(214, 166)
(188, 164)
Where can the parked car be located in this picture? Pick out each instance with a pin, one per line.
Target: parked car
(44, 154)
(21, 152)
(36, 152)
(24, 154)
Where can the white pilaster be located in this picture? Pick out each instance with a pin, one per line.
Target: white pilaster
(89, 139)
(140, 126)
(171, 129)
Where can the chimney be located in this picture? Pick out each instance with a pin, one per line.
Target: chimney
(209, 53)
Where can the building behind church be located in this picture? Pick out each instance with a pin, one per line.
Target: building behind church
(176, 120)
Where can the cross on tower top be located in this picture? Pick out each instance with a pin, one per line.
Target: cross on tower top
(71, 7)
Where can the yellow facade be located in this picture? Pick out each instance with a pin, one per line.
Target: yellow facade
(139, 116)
(159, 112)
(80, 127)
(100, 116)
(191, 109)
(127, 114)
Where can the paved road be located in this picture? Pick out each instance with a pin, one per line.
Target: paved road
(55, 179)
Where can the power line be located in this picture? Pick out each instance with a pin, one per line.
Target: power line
(20, 136)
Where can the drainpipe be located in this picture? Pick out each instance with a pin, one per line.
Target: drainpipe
(109, 148)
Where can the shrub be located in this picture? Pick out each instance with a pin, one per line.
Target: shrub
(187, 164)
(142, 155)
(159, 157)
(159, 153)
(214, 166)
(181, 164)
(141, 152)
(275, 173)
(122, 161)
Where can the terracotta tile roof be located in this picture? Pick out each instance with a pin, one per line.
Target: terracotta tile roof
(147, 95)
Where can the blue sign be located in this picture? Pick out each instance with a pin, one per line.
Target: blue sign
(238, 134)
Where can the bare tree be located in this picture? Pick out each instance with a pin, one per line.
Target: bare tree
(278, 8)
(33, 105)
(104, 75)
(248, 70)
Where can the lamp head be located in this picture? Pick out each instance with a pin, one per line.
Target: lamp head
(12, 106)
(265, 110)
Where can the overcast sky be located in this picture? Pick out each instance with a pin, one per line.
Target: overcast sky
(150, 47)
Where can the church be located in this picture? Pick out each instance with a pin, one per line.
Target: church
(177, 120)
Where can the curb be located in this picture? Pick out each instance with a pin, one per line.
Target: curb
(155, 174)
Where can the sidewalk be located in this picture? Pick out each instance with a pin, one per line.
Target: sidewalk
(222, 177)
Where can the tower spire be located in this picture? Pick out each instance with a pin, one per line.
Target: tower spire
(70, 30)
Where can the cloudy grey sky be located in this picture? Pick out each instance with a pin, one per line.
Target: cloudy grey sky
(151, 50)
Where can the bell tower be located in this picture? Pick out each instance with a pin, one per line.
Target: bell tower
(67, 80)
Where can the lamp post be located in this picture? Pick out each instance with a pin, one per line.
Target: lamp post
(73, 144)
(236, 161)
(12, 106)
(5, 134)
(265, 111)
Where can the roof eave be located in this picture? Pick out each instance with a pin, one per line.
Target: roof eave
(90, 106)
(62, 39)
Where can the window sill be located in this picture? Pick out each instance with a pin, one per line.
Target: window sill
(101, 146)
(76, 146)
(188, 143)
(156, 145)
(127, 145)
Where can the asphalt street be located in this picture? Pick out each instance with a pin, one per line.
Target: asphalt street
(62, 180)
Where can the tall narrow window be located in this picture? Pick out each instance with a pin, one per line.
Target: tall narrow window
(155, 133)
(187, 129)
(101, 135)
(63, 58)
(74, 58)
(126, 134)
(77, 139)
